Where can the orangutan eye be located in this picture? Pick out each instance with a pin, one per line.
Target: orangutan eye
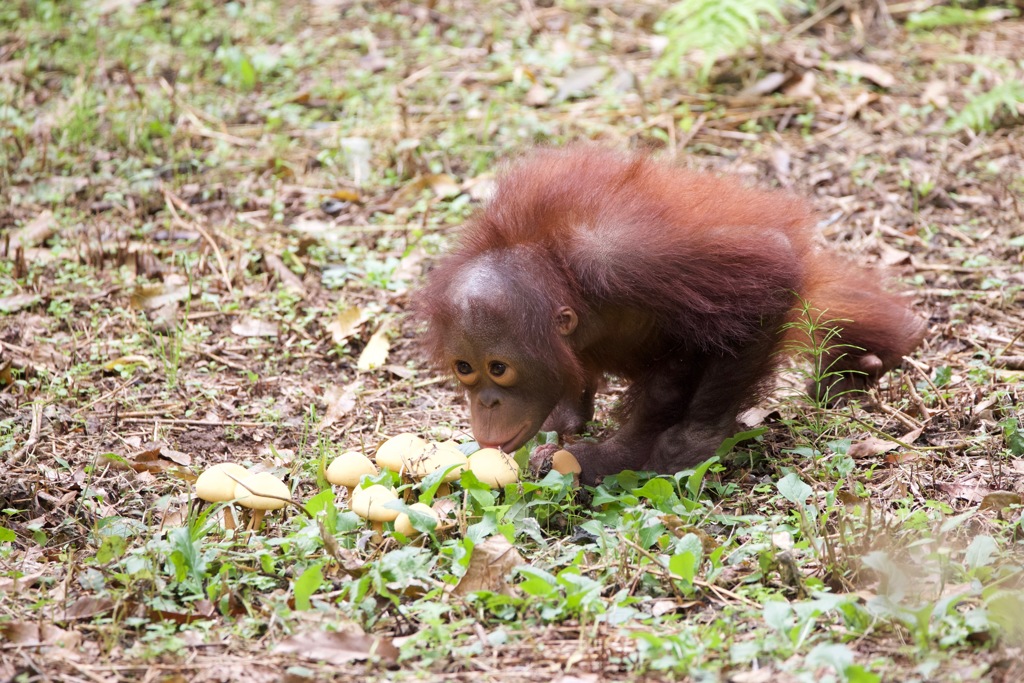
(463, 368)
(502, 374)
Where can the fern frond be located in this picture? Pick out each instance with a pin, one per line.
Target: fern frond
(715, 28)
(980, 113)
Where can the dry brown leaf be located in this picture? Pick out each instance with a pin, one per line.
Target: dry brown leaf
(873, 445)
(340, 402)
(32, 633)
(173, 289)
(972, 493)
(346, 323)
(344, 195)
(804, 88)
(123, 361)
(253, 327)
(291, 281)
(335, 647)
(580, 81)
(35, 232)
(997, 500)
(870, 447)
(489, 567)
(867, 70)
(16, 302)
(86, 608)
(20, 583)
(891, 256)
(441, 184)
(375, 353)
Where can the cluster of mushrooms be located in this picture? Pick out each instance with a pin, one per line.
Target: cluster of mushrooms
(407, 454)
(228, 482)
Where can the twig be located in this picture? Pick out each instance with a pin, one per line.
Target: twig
(171, 200)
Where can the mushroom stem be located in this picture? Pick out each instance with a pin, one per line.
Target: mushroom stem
(229, 519)
(257, 519)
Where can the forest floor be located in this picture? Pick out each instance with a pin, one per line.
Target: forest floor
(214, 217)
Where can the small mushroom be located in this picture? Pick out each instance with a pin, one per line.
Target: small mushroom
(216, 486)
(565, 462)
(439, 456)
(348, 469)
(403, 524)
(397, 452)
(254, 493)
(494, 468)
(369, 504)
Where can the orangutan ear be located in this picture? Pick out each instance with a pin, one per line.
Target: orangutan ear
(566, 321)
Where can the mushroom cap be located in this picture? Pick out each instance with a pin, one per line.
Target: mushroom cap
(261, 482)
(369, 503)
(494, 468)
(215, 486)
(439, 456)
(398, 451)
(565, 462)
(348, 468)
(403, 524)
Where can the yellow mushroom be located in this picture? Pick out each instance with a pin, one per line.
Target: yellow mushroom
(348, 469)
(261, 492)
(494, 468)
(397, 452)
(404, 526)
(216, 485)
(369, 504)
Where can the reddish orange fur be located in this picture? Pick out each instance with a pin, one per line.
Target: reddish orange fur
(701, 266)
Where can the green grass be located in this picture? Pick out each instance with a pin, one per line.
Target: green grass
(179, 144)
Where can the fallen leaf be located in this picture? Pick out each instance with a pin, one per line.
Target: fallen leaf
(32, 633)
(891, 256)
(87, 607)
(291, 281)
(346, 323)
(873, 445)
(335, 647)
(19, 583)
(803, 88)
(871, 72)
(340, 402)
(149, 297)
(16, 302)
(375, 353)
(35, 232)
(974, 494)
(125, 362)
(766, 85)
(537, 95)
(997, 500)
(253, 327)
(489, 567)
(441, 184)
(935, 94)
(344, 195)
(578, 81)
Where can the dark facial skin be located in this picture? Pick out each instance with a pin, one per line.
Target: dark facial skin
(510, 393)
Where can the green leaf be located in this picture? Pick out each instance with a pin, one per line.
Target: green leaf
(7, 536)
(980, 552)
(309, 582)
(795, 490)
(683, 565)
